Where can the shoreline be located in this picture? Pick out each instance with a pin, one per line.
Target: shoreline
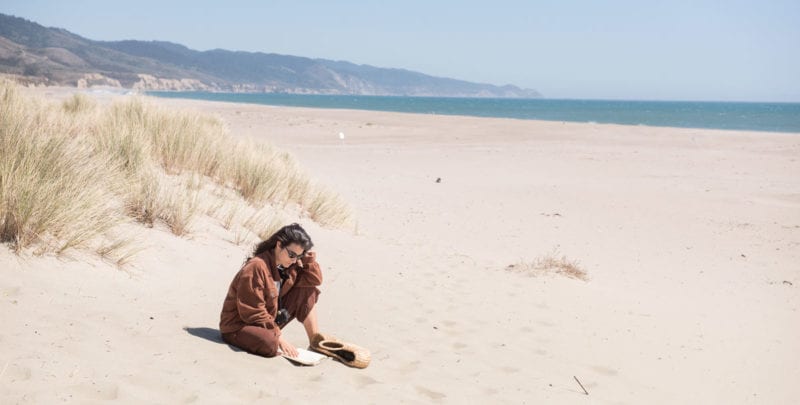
(456, 100)
(113, 92)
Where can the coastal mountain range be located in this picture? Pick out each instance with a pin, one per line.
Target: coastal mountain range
(32, 53)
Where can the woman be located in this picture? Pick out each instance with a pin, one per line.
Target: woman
(277, 284)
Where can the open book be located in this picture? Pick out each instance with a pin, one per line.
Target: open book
(306, 357)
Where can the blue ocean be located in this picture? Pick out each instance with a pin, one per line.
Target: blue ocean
(773, 117)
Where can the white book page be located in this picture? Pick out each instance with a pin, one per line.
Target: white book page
(307, 357)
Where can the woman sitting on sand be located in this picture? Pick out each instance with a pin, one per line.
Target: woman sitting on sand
(277, 284)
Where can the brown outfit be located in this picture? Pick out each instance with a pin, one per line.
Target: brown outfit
(248, 314)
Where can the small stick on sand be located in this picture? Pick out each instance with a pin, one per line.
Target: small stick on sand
(579, 383)
(4, 370)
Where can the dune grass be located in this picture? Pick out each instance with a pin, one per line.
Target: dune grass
(78, 103)
(70, 172)
(52, 183)
(551, 263)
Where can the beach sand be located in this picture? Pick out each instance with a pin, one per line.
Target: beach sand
(690, 240)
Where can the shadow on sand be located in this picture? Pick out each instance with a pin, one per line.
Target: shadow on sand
(209, 334)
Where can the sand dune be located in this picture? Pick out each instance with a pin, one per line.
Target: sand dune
(690, 239)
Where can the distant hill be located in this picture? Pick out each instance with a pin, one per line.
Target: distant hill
(38, 54)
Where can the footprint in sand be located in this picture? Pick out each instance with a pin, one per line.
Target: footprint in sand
(430, 394)
(410, 367)
(191, 399)
(509, 370)
(453, 333)
(604, 370)
(14, 373)
(10, 292)
(459, 345)
(260, 395)
(365, 380)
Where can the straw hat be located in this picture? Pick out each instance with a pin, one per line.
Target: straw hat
(346, 353)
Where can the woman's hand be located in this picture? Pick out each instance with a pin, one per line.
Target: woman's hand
(287, 348)
(309, 257)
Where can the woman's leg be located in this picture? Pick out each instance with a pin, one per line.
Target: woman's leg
(254, 339)
(311, 324)
(300, 301)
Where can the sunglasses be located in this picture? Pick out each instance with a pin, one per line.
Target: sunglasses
(293, 255)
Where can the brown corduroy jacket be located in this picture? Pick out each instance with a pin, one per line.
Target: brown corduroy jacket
(253, 296)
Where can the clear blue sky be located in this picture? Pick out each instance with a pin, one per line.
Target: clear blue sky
(663, 50)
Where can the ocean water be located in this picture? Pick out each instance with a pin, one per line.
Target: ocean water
(773, 117)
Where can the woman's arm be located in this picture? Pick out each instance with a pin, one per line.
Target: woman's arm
(250, 299)
(309, 274)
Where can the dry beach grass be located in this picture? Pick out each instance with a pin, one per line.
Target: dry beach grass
(71, 172)
(550, 263)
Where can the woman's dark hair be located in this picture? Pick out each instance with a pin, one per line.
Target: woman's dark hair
(293, 233)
